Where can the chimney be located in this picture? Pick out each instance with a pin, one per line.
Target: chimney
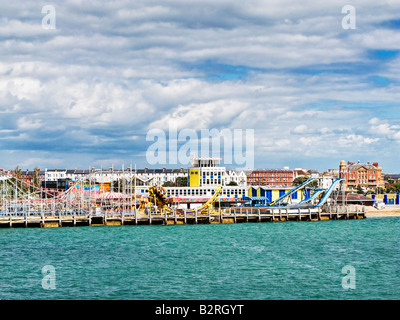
(375, 164)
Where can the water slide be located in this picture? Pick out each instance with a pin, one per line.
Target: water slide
(328, 192)
(292, 191)
(316, 194)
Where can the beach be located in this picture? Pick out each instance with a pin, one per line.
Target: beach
(388, 211)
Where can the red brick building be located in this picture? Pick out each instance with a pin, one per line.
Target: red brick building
(366, 175)
(270, 177)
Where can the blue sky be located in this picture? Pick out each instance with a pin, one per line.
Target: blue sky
(87, 93)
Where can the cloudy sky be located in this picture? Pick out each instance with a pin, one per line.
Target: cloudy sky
(88, 92)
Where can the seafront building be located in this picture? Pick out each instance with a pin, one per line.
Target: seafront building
(367, 176)
(271, 177)
(204, 177)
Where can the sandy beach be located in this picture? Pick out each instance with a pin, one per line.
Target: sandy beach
(388, 211)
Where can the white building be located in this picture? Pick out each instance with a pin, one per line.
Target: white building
(239, 177)
(55, 174)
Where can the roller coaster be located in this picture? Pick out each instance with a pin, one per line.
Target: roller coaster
(160, 198)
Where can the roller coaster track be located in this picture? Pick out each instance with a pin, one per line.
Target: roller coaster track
(159, 194)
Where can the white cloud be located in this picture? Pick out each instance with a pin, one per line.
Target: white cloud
(112, 71)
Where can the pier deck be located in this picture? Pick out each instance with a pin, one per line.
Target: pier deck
(235, 215)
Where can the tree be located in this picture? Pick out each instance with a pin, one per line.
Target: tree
(380, 190)
(360, 189)
(232, 183)
(17, 172)
(169, 184)
(36, 180)
(181, 182)
(396, 187)
(300, 180)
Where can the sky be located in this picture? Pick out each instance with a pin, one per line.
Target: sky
(84, 85)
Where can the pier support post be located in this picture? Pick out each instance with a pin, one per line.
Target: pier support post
(175, 219)
(280, 214)
(319, 213)
(259, 214)
(195, 216)
(184, 215)
(150, 216)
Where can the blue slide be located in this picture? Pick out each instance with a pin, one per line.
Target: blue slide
(316, 194)
(328, 193)
(292, 191)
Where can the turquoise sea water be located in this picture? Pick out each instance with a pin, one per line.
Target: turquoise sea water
(280, 260)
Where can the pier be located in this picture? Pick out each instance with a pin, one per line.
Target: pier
(231, 215)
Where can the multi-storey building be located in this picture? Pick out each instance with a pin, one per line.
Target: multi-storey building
(206, 172)
(55, 174)
(366, 175)
(270, 177)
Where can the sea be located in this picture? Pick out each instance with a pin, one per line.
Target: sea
(299, 260)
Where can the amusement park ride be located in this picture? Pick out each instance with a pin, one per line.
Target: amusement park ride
(18, 197)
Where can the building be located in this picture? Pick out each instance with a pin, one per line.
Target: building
(365, 175)
(270, 177)
(239, 177)
(206, 172)
(55, 174)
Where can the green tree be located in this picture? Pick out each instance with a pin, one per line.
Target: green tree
(396, 187)
(360, 190)
(169, 184)
(300, 180)
(181, 182)
(380, 190)
(17, 172)
(232, 183)
(36, 180)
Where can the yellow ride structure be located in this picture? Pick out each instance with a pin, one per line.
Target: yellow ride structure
(159, 196)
